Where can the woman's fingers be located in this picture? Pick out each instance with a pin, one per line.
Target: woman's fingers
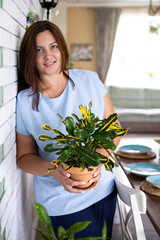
(70, 185)
(73, 189)
(64, 178)
(96, 178)
(62, 171)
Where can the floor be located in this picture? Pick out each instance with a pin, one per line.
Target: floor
(150, 232)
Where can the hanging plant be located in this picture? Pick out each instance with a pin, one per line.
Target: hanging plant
(154, 29)
(31, 18)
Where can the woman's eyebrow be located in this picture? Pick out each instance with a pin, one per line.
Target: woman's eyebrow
(52, 43)
(49, 45)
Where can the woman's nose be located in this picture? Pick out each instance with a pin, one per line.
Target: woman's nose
(47, 54)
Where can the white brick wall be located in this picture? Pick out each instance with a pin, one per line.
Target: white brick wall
(17, 212)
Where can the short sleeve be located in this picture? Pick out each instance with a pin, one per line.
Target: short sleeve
(20, 125)
(100, 86)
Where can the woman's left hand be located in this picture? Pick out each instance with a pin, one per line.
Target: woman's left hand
(96, 179)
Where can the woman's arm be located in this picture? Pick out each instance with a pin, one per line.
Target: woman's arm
(27, 158)
(30, 162)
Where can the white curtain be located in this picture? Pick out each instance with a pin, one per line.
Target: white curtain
(106, 25)
(136, 53)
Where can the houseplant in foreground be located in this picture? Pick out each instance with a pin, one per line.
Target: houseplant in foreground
(78, 148)
(62, 233)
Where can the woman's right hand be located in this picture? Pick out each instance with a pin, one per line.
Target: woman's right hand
(63, 177)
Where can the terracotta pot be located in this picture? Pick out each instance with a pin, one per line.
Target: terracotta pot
(84, 176)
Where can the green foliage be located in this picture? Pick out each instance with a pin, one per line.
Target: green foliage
(154, 28)
(78, 147)
(62, 233)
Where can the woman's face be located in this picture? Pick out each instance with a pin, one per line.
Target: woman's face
(49, 59)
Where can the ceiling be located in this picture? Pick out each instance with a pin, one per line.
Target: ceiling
(114, 3)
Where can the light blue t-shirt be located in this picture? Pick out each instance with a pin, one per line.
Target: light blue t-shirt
(49, 191)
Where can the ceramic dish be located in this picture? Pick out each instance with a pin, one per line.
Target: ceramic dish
(135, 149)
(154, 180)
(143, 169)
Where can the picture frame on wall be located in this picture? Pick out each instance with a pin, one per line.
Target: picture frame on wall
(82, 52)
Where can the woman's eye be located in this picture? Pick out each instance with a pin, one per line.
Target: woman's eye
(39, 50)
(54, 47)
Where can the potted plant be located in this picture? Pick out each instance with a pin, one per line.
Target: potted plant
(49, 234)
(154, 28)
(77, 150)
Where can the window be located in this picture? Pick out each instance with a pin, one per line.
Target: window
(136, 55)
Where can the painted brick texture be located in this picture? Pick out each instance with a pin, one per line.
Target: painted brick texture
(17, 213)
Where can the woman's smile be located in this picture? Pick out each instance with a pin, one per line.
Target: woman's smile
(50, 63)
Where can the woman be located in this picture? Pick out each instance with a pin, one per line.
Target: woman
(46, 88)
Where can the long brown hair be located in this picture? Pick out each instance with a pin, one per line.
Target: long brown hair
(28, 74)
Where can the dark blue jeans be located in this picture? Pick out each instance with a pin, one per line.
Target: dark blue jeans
(97, 213)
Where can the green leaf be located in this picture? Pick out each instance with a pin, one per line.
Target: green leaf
(58, 132)
(76, 117)
(90, 104)
(61, 233)
(74, 138)
(88, 157)
(92, 117)
(110, 145)
(106, 144)
(80, 133)
(60, 138)
(112, 133)
(55, 147)
(43, 216)
(46, 127)
(66, 154)
(69, 122)
(71, 237)
(99, 135)
(76, 227)
(122, 132)
(44, 137)
(107, 122)
(104, 231)
(43, 234)
(90, 128)
(109, 166)
(103, 158)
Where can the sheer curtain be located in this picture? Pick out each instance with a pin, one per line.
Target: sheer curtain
(106, 25)
(136, 53)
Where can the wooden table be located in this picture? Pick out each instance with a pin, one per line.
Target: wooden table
(153, 202)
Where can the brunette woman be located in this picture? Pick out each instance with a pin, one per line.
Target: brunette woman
(47, 87)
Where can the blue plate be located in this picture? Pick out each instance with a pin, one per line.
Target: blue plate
(135, 149)
(143, 169)
(154, 180)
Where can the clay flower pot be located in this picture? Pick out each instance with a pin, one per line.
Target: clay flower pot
(85, 176)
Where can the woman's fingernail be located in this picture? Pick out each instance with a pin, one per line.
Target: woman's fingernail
(83, 182)
(91, 181)
(68, 175)
(95, 174)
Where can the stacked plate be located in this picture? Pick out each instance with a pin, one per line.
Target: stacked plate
(154, 180)
(148, 170)
(143, 169)
(136, 151)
